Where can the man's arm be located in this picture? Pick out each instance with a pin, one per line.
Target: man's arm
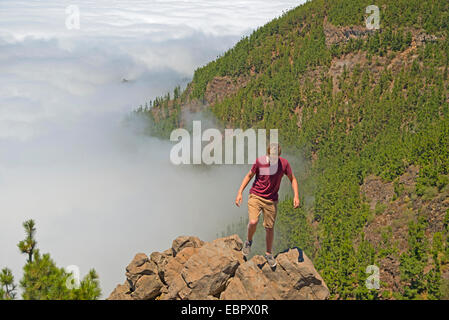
(246, 180)
(295, 190)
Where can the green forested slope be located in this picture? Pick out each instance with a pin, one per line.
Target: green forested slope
(385, 111)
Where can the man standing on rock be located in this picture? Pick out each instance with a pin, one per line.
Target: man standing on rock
(263, 195)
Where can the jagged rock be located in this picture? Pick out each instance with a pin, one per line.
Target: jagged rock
(250, 283)
(197, 270)
(174, 266)
(232, 242)
(161, 260)
(301, 278)
(290, 279)
(207, 272)
(147, 287)
(121, 292)
(141, 265)
(182, 242)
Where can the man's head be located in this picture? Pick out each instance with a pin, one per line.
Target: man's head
(274, 149)
(273, 153)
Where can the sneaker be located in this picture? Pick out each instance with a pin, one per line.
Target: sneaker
(247, 247)
(271, 260)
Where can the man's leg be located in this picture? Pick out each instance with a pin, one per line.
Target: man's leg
(269, 216)
(253, 218)
(269, 235)
(252, 226)
(253, 215)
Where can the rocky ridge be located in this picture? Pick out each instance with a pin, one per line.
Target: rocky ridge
(196, 270)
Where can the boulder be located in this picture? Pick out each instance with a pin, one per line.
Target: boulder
(121, 292)
(147, 287)
(141, 265)
(250, 283)
(183, 242)
(195, 270)
(207, 272)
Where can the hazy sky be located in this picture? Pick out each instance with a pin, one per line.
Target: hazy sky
(98, 192)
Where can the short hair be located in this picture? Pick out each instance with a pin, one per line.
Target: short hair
(274, 146)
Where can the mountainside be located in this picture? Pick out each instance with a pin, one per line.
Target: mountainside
(193, 269)
(368, 111)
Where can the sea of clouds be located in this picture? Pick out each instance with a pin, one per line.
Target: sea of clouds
(98, 192)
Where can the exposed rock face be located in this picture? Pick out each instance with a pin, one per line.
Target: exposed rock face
(335, 35)
(221, 87)
(197, 270)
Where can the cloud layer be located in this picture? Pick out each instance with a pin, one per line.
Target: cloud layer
(98, 192)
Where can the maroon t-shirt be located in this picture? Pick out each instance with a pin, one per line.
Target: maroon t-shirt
(268, 178)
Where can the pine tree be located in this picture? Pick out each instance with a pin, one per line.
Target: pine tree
(7, 285)
(28, 245)
(43, 280)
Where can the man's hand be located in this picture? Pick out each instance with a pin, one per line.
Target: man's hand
(238, 200)
(246, 179)
(296, 202)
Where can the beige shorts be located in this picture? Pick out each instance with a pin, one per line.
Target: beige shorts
(269, 208)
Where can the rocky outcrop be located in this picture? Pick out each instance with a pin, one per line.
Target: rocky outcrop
(221, 87)
(335, 35)
(195, 270)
